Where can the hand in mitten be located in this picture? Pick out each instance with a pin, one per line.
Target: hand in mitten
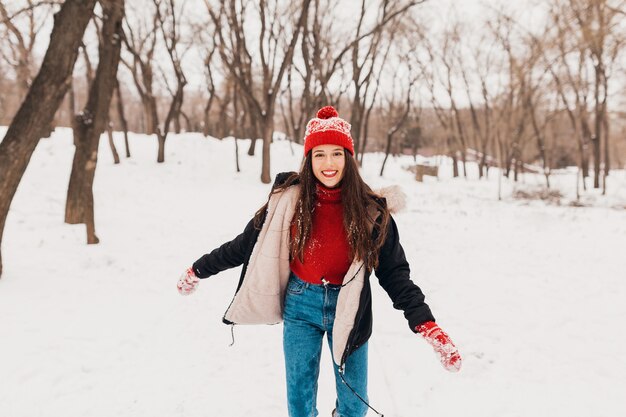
(188, 282)
(442, 345)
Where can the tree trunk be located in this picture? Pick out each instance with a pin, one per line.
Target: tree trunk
(356, 119)
(256, 130)
(162, 134)
(455, 164)
(116, 156)
(76, 202)
(586, 139)
(508, 163)
(188, 125)
(91, 123)
(236, 131)
(43, 99)
(237, 155)
(607, 147)
(161, 150)
(268, 131)
(455, 158)
(464, 163)
(599, 115)
(79, 193)
(252, 146)
(481, 166)
(595, 144)
(71, 103)
(387, 150)
(366, 126)
(122, 116)
(206, 129)
(223, 126)
(517, 167)
(607, 153)
(500, 160)
(148, 112)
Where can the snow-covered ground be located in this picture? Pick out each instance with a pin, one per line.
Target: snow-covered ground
(532, 294)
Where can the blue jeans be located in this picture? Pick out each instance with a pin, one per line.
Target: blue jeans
(309, 313)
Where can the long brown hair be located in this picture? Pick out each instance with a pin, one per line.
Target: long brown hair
(356, 197)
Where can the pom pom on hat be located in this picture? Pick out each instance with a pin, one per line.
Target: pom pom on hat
(328, 128)
(327, 112)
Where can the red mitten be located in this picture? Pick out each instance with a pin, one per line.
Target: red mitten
(442, 344)
(188, 282)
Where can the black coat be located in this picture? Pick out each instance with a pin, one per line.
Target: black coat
(393, 275)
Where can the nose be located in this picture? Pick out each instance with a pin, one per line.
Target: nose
(329, 162)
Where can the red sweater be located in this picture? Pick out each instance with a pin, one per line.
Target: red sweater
(327, 254)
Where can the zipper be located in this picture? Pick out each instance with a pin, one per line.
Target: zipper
(224, 319)
(344, 357)
(241, 278)
(351, 336)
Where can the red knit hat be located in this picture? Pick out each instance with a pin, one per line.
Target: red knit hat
(327, 128)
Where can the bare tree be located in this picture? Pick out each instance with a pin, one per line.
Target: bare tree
(529, 80)
(484, 64)
(397, 112)
(140, 39)
(313, 68)
(109, 129)
(373, 99)
(42, 100)
(119, 105)
(535, 85)
(570, 78)
(445, 116)
(510, 108)
(450, 58)
(169, 24)
(581, 53)
(208, 49)
(93, 120)
(279, 32)
(598, 23)
(19, 29)
(362, 70)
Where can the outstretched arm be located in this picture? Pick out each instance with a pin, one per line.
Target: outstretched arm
(394, 275)
(229, 255)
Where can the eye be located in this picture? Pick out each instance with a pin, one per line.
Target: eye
(338, 153)
(317, 155)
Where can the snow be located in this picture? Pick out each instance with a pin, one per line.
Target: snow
(532, 294)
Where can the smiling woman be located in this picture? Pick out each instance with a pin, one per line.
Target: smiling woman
(307, 258)
(328, 164)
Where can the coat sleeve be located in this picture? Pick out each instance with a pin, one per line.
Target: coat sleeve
(394, 276)
(229, 255)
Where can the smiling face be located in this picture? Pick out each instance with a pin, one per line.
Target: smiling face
(328, 162)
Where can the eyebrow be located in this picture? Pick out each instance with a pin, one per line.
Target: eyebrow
(332, 150)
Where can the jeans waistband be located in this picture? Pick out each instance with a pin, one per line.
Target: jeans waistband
(307, 284)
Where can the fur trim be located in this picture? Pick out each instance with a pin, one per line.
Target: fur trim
(395, 197)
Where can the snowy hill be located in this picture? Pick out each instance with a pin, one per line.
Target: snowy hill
(532, 294)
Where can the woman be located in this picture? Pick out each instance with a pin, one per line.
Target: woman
(307, 257)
